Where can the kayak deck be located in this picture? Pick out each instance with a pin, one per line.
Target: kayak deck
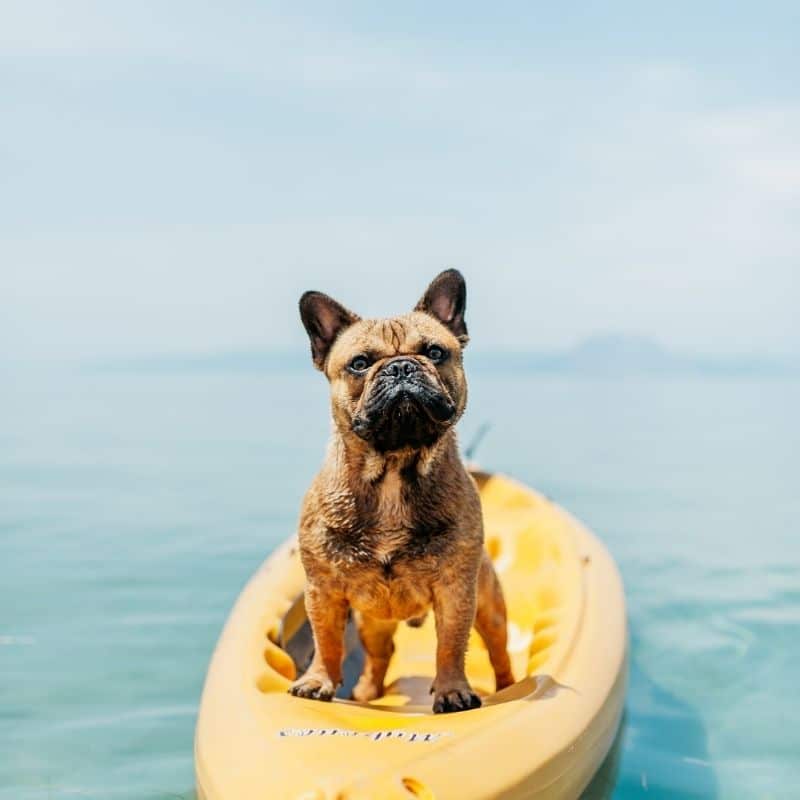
(544, 736)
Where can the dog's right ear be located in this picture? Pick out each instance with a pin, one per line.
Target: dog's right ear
(324, 319)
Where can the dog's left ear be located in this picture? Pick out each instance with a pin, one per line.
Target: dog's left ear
(446, 300)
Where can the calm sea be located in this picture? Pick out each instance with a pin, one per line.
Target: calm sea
(133, 507)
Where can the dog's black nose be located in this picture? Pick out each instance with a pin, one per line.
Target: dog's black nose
(400, 367)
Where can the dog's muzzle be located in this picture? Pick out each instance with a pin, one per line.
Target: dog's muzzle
(404, 408)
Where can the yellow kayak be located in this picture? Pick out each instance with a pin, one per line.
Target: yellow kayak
(543, 737)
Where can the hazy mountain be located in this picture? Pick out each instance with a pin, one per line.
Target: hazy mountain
(619, 353)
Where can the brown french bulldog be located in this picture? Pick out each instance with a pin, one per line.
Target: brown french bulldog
(392, 524)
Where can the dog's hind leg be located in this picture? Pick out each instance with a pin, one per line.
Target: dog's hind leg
(376, 635)
(490, 622)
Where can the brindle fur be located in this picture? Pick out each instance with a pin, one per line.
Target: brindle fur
(392, 533)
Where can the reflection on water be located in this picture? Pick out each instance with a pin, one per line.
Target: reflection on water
(134, 507)
(661, 749)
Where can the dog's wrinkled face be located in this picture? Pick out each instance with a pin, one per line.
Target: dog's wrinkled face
(396, 383)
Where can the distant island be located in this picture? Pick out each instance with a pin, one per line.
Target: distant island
(601, 354)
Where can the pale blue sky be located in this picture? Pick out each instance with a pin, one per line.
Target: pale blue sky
(175, 174)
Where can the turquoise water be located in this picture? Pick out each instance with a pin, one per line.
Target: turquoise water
(134, 506)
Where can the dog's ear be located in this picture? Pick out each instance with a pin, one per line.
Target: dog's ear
(446, 300)
(324, 319)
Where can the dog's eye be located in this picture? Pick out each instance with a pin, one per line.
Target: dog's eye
(359, 364)
(436, 353)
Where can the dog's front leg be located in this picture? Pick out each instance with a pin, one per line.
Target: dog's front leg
(454, 608)
(327, 613)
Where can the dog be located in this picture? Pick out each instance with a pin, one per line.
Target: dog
(392, 526)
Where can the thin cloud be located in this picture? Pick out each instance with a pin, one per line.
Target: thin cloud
(175, 177)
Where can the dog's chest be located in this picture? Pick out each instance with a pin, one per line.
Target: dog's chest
(392, 531)
(387, 571)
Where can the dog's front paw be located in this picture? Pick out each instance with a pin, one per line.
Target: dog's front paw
(459, 697)
(313, 687)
